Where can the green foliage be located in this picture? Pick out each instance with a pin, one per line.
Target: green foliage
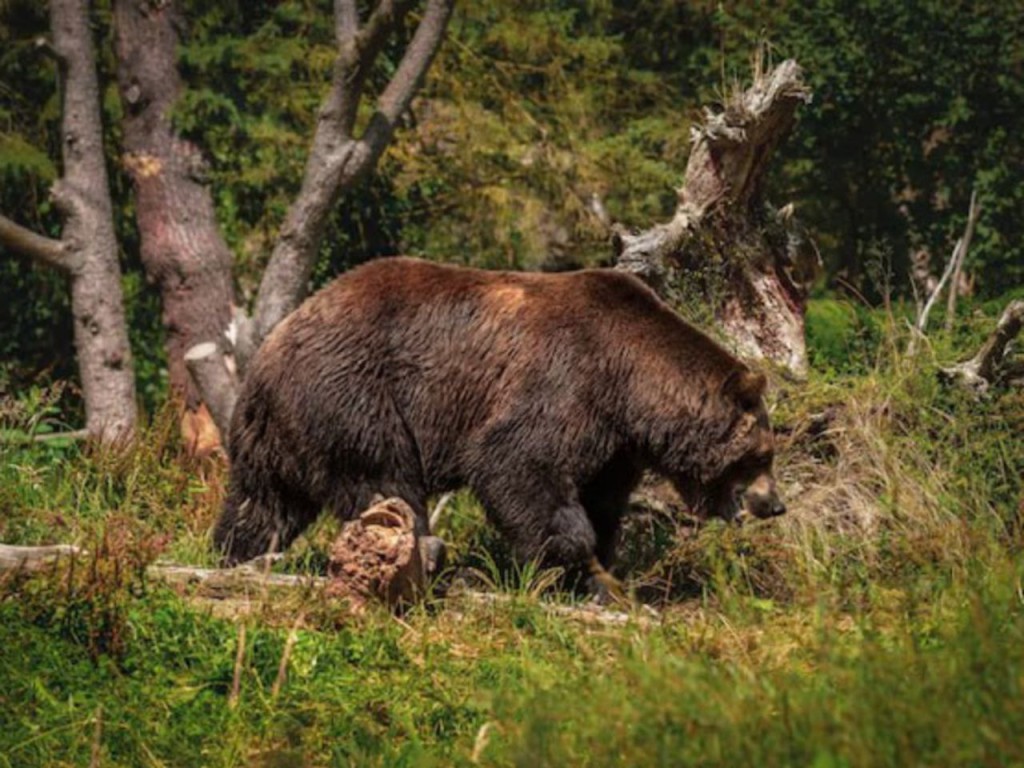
(18, 158)
(530, 110)
(943, 687)
(257, 74)
(841, 335)
(880, 623)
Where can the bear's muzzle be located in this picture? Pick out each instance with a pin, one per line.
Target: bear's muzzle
(761, 498)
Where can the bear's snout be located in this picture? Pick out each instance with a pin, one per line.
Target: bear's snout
(761, 499)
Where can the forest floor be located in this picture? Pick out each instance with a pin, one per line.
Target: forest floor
(880, 622)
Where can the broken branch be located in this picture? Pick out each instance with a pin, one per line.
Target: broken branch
(337, 160)
(981, 371)
(215, 380)
(26, 242)
(922, 319)
(973, 211)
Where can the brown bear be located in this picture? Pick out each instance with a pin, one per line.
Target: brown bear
(546, 394)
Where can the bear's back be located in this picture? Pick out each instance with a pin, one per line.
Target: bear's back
(412, 314)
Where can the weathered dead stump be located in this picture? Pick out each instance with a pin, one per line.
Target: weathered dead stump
(993, 361)
(726, 248)
(377, 557)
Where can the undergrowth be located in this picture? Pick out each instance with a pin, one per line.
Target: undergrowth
(881, 622)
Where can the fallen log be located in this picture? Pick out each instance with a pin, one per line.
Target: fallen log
(13, 558)
(243, 590)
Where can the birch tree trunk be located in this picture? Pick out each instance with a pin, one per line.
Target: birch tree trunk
(725, 246)
(87, 250)
(183, 252)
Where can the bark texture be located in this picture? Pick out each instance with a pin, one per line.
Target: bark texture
(725, 246)
(83, 196)
(376, 557)
(209, 370)
(87, 250)
(14, 558)
(183, 251)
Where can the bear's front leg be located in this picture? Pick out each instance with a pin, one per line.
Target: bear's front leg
(543, 523)
(573, 543)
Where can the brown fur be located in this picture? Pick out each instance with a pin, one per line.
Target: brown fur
(547, 395)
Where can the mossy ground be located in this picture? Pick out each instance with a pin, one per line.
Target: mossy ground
(880, 623)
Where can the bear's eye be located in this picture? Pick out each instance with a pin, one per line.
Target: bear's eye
(758, 464)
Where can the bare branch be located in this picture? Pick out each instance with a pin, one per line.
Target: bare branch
(46, 47)
(973, 211)
(435, 515)
(51, 252)
(336, 160)
(356, 55)
(346, 21)
(922, 319)
(407, 78)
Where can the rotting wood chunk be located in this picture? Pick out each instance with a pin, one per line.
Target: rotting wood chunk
(377, 557)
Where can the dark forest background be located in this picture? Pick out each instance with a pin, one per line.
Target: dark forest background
(532, 109)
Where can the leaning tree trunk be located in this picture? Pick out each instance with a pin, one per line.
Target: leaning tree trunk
(87, 250)
(339, 157)
(725, 247)
(183, 251)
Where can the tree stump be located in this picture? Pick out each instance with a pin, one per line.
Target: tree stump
(377, 557)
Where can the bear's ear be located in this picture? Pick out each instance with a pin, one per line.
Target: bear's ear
(745, 387)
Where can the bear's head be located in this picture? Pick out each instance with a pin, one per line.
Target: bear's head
(731, 474)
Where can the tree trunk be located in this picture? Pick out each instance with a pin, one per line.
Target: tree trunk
(338, 159)
(83, 195)
(183, 251)
(87, 250)
(725, 247)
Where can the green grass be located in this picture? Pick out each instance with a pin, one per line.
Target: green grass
(880, 623)
(901, 680)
